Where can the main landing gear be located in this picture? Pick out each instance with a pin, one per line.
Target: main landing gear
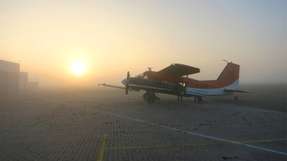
(150, 97)
(235, 97)
(197, 99)
(179, 98)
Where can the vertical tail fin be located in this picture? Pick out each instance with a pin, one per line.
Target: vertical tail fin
(230, 74)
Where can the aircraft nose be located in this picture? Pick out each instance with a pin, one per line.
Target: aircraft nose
(124, 82)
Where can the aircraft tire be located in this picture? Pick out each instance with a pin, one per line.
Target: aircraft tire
(149, 97)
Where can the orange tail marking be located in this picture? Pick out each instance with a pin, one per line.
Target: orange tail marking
(229, 74)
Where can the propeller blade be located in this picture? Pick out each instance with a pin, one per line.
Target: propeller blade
(128, 75)
(127, 83)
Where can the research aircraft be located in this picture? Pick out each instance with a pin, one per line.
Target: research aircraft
(175, 80)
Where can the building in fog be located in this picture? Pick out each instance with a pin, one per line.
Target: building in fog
(32, 86)
(12, 81)
(9, 78)
(23, 81)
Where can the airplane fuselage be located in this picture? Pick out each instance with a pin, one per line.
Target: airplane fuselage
(175, 80)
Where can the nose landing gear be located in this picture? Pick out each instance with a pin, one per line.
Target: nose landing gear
(197, 99)
(150, 97)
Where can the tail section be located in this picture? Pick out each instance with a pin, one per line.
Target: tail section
(230, 76)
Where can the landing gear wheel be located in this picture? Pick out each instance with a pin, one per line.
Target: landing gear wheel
(150, 97)
(235, 98)
(198, 99)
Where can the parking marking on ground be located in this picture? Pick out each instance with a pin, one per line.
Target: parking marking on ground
(265, 140)
(198, 134)
(264, 110)
(167, 146)
(101, 153)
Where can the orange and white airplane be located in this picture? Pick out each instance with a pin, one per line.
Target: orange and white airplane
(175, 80)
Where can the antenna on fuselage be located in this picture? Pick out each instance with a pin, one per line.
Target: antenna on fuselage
(226, 61)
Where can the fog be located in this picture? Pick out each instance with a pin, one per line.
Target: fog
(113, 37)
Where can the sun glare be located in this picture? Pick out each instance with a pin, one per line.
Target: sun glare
(78, 68)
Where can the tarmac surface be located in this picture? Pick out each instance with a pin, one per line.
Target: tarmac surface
(112, 127)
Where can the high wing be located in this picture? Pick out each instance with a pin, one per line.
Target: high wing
(178, 70)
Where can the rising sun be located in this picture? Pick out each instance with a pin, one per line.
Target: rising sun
(78, 68)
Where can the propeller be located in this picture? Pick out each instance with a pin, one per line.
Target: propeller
(127, 83)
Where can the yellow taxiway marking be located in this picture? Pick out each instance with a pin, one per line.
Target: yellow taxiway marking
(101, 153)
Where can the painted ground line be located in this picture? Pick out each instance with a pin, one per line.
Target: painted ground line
(199, 134)
(168, 146)
(171, 146)
(101, 153)
(263, 110)
(265, 140)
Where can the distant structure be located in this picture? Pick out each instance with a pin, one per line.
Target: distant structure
(23, 81)
(32, 86)
(12, 81)
(9, 78)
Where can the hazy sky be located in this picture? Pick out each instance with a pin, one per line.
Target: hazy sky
(113, 37)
